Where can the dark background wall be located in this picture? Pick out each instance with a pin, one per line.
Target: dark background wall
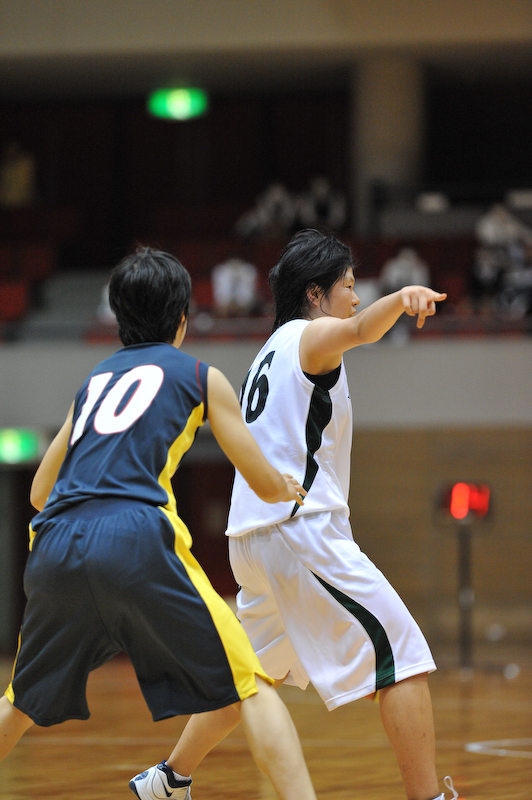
(111, 175)
(115, 175)
(479, 135)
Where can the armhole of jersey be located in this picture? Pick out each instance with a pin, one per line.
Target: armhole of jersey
(326, 381)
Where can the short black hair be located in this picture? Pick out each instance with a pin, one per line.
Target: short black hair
(149, 291)
(311, 259)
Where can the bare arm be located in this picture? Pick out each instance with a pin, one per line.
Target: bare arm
(241, 448)
(46, 475)
(326, 339)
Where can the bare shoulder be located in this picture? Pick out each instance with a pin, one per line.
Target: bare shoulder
(321, 346)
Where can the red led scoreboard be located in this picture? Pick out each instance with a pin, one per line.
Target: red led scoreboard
(465, 502)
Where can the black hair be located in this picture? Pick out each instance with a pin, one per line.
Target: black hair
(312, 259)
(149, 291)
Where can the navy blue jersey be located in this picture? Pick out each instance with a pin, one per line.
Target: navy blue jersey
(134, 418)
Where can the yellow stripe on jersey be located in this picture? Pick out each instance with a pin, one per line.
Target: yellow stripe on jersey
(175, 454)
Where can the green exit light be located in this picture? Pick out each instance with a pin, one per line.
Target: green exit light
(178, 103)
(18, 445)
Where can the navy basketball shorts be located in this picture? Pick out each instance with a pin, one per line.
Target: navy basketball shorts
(117, 576)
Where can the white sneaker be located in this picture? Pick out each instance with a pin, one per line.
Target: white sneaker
(159, 783)
(448, 781)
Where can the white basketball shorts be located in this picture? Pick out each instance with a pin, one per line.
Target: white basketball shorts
(317, 609)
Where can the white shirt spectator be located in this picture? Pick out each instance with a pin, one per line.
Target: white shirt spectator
(406, 269)
(234, 286)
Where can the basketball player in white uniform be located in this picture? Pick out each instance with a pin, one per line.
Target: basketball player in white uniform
(314, 607)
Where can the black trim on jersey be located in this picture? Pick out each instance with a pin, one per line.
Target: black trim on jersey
(327, 381)
(384, 660)
(319, 416)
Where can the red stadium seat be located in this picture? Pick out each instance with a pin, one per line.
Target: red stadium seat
(14, 299)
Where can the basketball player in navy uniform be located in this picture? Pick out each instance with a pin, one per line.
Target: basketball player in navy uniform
(110, 568)
(315, 607)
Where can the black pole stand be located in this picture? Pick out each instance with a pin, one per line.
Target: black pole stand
(466, 597)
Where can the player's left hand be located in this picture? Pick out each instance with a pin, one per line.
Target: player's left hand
(420, 301)
(294, 491)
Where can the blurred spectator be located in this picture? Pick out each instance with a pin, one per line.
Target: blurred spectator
(487, 278)
(17, 177)
(432, 203)
(321, 206)
(405, 269)
(234, 287)
(516, 291)
(499, 228)
(274, 215)
(501, 278)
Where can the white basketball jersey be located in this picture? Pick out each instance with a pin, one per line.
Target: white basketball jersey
(303, 428)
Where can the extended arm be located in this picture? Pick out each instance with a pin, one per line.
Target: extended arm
(327, 338)
(241, 448)
(46, 475)
(377, 319)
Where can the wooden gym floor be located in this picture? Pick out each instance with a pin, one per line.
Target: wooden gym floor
(483, 726)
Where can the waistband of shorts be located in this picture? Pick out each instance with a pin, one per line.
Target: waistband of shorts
(101, 507)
